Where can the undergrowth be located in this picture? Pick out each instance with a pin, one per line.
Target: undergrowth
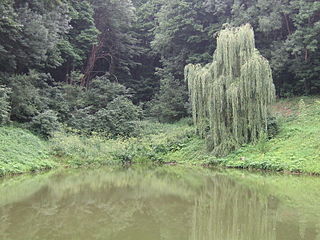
(296, 148)
(155, 142)
(21, 151)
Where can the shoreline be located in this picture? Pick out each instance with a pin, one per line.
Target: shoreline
(294, 150)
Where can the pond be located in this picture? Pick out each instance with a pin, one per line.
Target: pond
(167, 203)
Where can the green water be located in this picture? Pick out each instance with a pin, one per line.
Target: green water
(171, 203)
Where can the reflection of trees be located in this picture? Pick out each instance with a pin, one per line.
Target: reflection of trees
(226, 210)
(4, 222)
(164, 204)
(21, 187)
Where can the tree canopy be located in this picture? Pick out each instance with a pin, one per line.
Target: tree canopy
(49, 49)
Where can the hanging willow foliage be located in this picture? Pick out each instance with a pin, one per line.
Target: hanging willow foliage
(230, 96)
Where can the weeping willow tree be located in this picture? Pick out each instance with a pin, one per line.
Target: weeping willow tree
(230, 96)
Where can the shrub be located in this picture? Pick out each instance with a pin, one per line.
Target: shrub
(118, 118)
(65, 99)
(28, 96)
(102, 91)
(272, 127)
(104, 108)
(83, 120)
(45, 123)
(170, 104)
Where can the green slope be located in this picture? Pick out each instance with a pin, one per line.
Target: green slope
(21, 151)
(296, 148)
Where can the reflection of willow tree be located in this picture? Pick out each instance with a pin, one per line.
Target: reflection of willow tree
(233, 213)
(161, 203)
(230, 96)
(4, 223)
(100, 205)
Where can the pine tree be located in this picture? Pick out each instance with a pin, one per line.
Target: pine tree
(230, 96)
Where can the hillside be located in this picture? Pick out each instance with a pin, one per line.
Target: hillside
(21, 151)
(296, 148)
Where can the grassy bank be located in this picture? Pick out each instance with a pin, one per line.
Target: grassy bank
(21, 151)
(155, 143)
(295, 149)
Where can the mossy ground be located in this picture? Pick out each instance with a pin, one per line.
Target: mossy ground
(295, 149)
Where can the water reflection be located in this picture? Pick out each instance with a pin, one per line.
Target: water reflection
(167, 203)
(226, 210)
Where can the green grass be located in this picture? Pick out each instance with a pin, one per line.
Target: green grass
(21, 151)
(295, 149)
(155, 142)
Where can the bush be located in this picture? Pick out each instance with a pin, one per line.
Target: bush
(35, 101)
(83, 120)
(102, 91)
(106, 109)
(170, 104)
(118, 118)
(29, 95)
(272, 127)
(66, 99)
(45, 123)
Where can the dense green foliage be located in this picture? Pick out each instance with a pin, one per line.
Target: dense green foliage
(61, 62)
(294, 149)
(287, 34)
(155, 142)
(47, 47)
(95, 68)
(22, 151)
(230, 97)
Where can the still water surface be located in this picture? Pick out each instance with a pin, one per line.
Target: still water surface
(167, 203)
